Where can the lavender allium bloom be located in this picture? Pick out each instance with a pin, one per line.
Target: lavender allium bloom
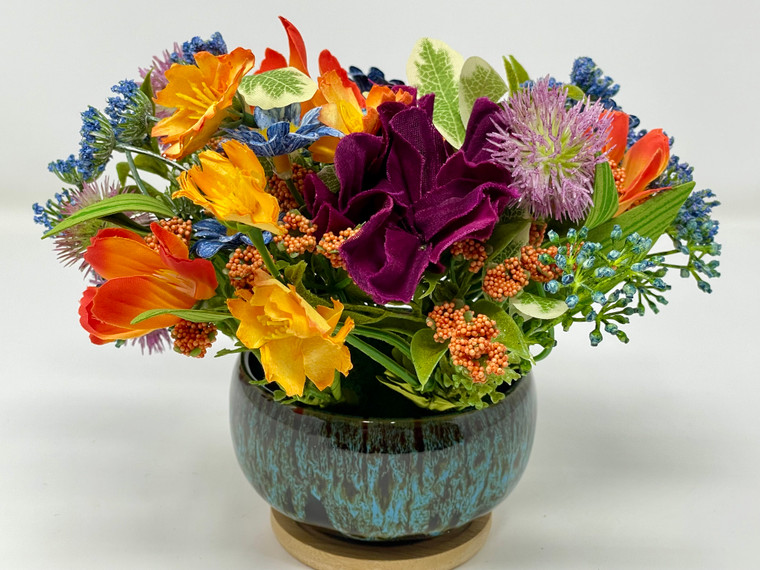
(413, 194)
(551, 151)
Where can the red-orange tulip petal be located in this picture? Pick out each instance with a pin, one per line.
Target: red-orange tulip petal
(618, 136)
(296, 46)
(113, 254)
(645, 161)
(272, 60)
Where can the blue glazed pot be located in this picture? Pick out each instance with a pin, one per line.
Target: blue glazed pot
(380, 479)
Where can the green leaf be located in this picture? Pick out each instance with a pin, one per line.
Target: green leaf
(649, 219)
(508, 237)
(277, 88)
(434, 67)
(113, 205)
(478, 79)
(514, 85)
(522, 75)
(426, 352)
(574, 92)
(510, 335)
(330, 178)
(192, 315)
(538, 307)
(605, 197)
(431, 402)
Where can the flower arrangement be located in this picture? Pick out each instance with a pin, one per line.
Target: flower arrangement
(428, 235)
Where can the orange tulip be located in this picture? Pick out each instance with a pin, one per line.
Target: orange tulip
(138, 279)
(294, 338)
(202, 95)
(637, 167)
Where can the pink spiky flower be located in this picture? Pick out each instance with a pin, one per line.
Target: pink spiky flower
(551, 150)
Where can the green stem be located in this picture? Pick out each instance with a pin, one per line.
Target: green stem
(546, 351)
(125, 148)
(386, 337)
(382, 359)
(135, 174)
(296, 194)
(258, 241)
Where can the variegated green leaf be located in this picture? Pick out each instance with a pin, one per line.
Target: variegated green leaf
(110, 206)
(277, 88)
(434, 67)
(538, 307)
(605, 197)
(478, 79)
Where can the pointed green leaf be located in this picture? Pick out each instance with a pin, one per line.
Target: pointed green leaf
(649, 219)
(277, 88)
(113, 205)
(574, 92)
(605, 197)
(538, 307)
(426, 352)
(478, 79)
(508, 238)
(510, 335)
(511, 75)
(192, 315)
(522, 75)
(434, 67)
(330, 178)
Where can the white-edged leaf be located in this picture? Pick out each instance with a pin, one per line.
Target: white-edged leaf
(478, 79)
(434, 67)
(538, 307)
(277, 88)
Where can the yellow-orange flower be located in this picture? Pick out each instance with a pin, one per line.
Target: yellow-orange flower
(295, 339)
(202, 95)
(231, 187)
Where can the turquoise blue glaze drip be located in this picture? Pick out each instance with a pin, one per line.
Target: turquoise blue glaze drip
(381, 479)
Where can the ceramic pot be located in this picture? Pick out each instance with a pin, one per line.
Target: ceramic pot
(380, 479)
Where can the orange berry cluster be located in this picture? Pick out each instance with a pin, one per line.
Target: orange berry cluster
(509, 277)
(329, 246)
(242, 265)
(505, 280)
(536, 234)
(298, 235)
(472, 250)
(471, 340)
(193, 339)
(618, 173)
(278, 187)
(175, 225)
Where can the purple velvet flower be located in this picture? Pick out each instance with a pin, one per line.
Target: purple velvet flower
(551, 151)
(413, 194)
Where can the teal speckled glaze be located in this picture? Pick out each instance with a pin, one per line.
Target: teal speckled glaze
(381, 479)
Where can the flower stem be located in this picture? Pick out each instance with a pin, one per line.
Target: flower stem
(258, 241)
(125, 148)
(382, 359)
(387, 337)
(135, 174)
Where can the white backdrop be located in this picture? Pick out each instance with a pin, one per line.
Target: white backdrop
(646, 455)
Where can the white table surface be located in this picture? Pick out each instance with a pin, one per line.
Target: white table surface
(646, 455)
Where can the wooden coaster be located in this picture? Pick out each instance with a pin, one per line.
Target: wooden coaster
(323, 551)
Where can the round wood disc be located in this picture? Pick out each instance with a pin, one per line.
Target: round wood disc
(323, 551)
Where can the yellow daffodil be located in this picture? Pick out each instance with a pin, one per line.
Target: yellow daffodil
(295, 339)
(231, 187)
(202, 95)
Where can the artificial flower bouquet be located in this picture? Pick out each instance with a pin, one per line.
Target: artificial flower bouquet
(358, 233)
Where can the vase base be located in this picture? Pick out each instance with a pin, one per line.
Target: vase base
(323, 551)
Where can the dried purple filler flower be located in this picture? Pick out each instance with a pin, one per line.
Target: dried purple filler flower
(550, 150)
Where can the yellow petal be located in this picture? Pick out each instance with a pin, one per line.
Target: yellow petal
(283, 363)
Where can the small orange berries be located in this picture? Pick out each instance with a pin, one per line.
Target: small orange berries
(278, 187)
(472, 250)
(193, 339)
(471, 340)
(329, 246)
(242, 265)
(298, 235)
(505, 280)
